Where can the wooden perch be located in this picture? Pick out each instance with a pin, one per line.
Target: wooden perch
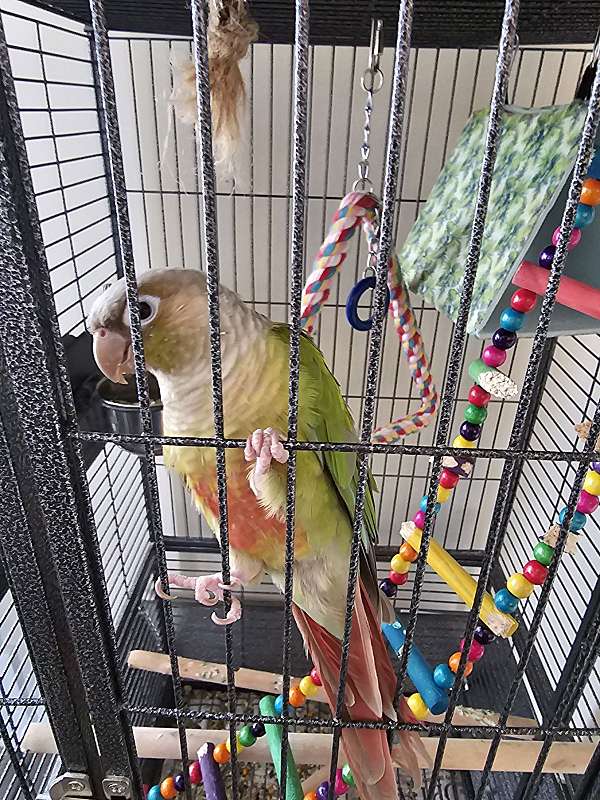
(315, 748)
(255, 680)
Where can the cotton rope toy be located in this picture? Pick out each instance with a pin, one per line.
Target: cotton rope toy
(361, 208)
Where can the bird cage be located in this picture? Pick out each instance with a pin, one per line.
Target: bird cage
(107, 690)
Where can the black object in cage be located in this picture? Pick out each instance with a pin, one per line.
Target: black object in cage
(86, 527)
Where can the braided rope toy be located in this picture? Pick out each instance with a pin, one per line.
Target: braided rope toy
(360, 208)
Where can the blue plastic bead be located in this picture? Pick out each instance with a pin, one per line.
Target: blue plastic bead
(423, 505)
(154, 793)
(584, 215)
(506, 601)
(577, 522)
(511, 320)
(594, 170)
(443, 676)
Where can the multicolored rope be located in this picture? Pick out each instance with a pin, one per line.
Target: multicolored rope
(361, 208)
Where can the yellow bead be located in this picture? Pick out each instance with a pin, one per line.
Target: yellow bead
(308, 687)
(398, 564)
(591, 483)
(443, 494)
(460, 441)
(518, 585)
(239, 746)
(417, 706)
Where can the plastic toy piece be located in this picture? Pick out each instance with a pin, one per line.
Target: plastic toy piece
(214, 787)
(571, 293)
(419, 670)
(364, 285)
(459, 580)
(293, 786)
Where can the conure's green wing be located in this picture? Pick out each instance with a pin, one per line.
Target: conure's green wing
(324, 417)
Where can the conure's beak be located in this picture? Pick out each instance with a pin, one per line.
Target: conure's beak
(113, 354)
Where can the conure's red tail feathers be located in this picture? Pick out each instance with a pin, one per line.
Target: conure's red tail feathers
(369, 695)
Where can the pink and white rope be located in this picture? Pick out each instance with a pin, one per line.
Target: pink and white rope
(357, 208)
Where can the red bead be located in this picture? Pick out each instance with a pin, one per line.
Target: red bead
(316, 679)
(523, 300)
(493, 356)
(476, 652)
(479, 397)
(398, 578)
(419, 519)
(535, 572)
(587, 503)
(448, 479)
(195, 773)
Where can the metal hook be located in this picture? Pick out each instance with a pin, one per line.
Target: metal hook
(376, 45)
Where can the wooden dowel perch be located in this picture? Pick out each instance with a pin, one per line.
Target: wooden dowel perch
(258, 681)
(315, 748)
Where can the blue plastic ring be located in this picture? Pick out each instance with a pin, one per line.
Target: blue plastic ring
(356, 293)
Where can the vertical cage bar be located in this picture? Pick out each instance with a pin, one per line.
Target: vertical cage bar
(390, 184)
(199, 10)
(124, 246)
(300, 125)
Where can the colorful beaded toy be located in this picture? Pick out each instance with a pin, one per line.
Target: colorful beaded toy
(487, 384)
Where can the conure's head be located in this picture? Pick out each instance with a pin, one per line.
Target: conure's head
(174, 318)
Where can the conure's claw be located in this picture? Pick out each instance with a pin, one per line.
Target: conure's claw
(233, 615)
(208, 591)
(262, 446)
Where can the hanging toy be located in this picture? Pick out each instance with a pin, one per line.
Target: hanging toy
(361, 207)
(231, 31)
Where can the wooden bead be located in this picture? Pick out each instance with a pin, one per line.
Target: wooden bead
(221, 753)
(398, 578)
(535, 572)
(314, 674)
(154, 793)
(478, 396)
(443, 677)
(475, 414)
(398, 564)
(195, 773)
(460, 441)
(544, 553)
(310, 796)
(454, 661)
(505, 601)
(417, 705)
(408, 553)
(590, 193)
(476, 650)
(167, 788)
(443, 494)
(448, 479)
(341, 787)
(523, 300)
(296, 697)
(591, 483)
(238, 745)
(246, 737)
(347, 775)
(518, 585)
(308, 686)
(587, 503)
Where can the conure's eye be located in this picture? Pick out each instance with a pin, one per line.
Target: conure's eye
(148, 306)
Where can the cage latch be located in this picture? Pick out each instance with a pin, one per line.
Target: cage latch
(70, 785)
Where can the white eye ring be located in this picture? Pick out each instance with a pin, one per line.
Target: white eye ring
(148, 307)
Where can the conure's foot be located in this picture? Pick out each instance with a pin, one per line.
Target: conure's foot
(208, 590)
(262, 446)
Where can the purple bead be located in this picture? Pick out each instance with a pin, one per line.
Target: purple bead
(596, 466)
(547, 256)
(470, 431)
(323, 791)
(419, 519)
(504, 339)
(179, 782)
(483, 634)
(258, 730)
(388, 587)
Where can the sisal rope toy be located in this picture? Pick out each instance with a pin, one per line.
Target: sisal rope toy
(360, 208)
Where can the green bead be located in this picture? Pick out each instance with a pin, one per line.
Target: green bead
(347, 775)
(246, 737)
(475, 414)
(543, 553)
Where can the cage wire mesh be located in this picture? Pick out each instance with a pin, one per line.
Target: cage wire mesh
(59, 91)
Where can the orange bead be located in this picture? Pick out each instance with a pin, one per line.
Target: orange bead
(408, 553)
(221, 754)
(454, 661)
(590, 194)
(311, 796)
(167, 788)
(296, 697)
